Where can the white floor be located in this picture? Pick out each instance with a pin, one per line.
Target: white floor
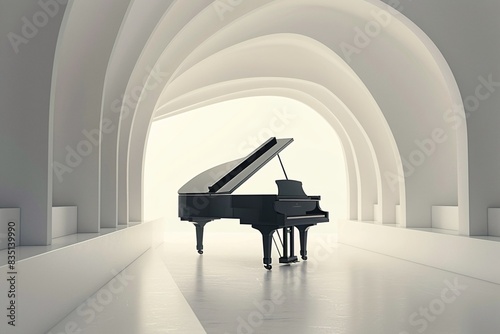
(141, 299)
(340, 289)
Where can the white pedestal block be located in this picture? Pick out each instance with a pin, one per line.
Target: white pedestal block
(9, 215)
(494, 222)
(445, 217)
(64, 221)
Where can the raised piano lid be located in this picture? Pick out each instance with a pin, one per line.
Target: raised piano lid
(227, 177)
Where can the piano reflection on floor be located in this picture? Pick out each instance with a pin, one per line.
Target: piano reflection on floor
(204, 199)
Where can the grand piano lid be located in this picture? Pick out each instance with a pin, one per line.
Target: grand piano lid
(227, 177)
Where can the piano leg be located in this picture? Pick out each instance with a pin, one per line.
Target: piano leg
(303, 239)
(267, 240)
(199, 235)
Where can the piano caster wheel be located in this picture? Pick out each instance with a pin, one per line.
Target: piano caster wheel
(200, 252)
(304, 257)
(268, 266)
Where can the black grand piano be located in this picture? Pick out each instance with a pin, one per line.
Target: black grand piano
(208, 196)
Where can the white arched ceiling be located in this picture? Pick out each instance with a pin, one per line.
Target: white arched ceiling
(415, 91)
(82, 55)
(140, 21)
(315, 158)
(360, 175)
(26, 129)
(280, 56)
(170, 25)
(400, 88)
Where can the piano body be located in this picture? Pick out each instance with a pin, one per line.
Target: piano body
(208, 196)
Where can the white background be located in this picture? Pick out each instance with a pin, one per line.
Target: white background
(182, 146)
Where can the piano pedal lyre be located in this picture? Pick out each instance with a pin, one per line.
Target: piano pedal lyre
(288, 244)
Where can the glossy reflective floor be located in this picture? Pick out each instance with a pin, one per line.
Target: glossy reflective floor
(340, 289)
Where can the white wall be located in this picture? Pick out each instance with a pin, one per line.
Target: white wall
(411, 91)
(182, 146)
(466, 32)
(138, 25)
(82, 56)
(25, 118)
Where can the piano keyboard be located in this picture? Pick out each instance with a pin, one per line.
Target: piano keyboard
(310, 216)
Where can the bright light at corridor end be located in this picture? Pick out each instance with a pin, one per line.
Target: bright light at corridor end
(182, 146)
